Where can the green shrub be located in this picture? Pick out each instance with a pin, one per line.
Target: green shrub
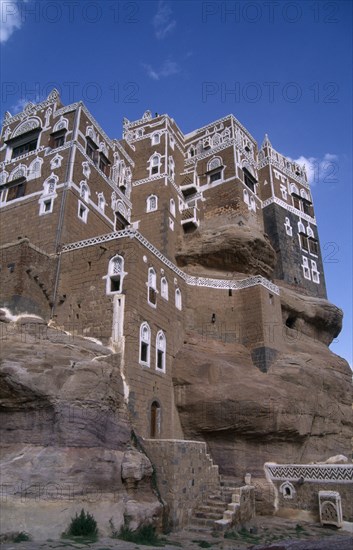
(83, 525)
(21, 537)
(146, 534)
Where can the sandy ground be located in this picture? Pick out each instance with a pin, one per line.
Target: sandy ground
(267, 533)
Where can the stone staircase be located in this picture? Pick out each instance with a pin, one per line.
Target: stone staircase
(217, 511)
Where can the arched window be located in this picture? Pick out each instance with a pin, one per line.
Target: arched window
(164, 288)
(155, 422)
(34, 169)
(172, 207)
(84, 191)
(294, 189)
(171, 167)
(214, 163)
(252, 204)
(216, 140)
(101, 202)
(178, 303)
(154, 164)
(152, 203)
(156, 138)
(115, 275)
(152, 287)
(309, 231)
(145, 344)
(301, 228)
(304, 194)
(19, 172)
(160, 351)
(49, 185)
(191, 152)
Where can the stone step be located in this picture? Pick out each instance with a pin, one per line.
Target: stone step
(211, 508)
(208, 515)
(202, 522)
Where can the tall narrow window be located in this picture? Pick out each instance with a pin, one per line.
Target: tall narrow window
(145, 344)
(160, 351)
(115, 275)
(178, 303)
(155, 420)
(164, 288)
(314, 272)
(172, 207)
(306, 269)
(152, 287)
(156, 138)
(154, 164)
(152, 203)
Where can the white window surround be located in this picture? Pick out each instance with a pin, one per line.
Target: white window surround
(172, 207)
(154, 164)
(294, 189)
(115, 276)
(145, 345)
(164, 288)
(178, 303)
(171, 224)
(288, 227)
(152, 203)
(101, 202)
(306, 269)
(314, 272)
(283, 191)
(152, 287)
(214, 163)
(46, 205)
(84, 191)
(82, 211)
(161, 351)
(301, 227)
(156, 138)
(35, 168)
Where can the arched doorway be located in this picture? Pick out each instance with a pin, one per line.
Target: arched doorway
(155, 424)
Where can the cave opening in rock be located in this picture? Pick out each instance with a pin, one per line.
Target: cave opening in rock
(290, 322)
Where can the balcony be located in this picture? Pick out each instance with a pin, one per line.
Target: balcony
(189, 186)
(189, 219)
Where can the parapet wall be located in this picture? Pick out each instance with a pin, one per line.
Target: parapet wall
(297, 486)
(185, 475)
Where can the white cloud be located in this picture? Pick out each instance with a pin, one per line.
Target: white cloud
(167, 69)
(10, 18)
(162, 21)
(320, 170)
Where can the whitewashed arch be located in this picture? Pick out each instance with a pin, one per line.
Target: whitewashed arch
(35, 168)
(18, 172)
(214, 163)
(62, 124)
(26, 126)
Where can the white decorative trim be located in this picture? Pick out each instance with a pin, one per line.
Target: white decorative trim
(328, 473)
(189, 279)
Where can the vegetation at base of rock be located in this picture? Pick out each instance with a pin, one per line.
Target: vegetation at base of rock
(21, 537)
(146, 535)
(83, 525)
(203, 543)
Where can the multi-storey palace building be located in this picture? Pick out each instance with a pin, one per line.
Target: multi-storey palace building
(93, 232)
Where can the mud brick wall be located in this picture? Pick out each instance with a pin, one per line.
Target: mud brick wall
(27, 279)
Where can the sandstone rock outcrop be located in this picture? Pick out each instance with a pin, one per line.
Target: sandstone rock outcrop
(299, 411)
(240, 249)
(65, 434)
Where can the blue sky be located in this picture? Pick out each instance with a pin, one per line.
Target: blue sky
(280, 67)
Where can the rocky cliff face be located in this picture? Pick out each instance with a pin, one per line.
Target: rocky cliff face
(66, 439)
(298, 411)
